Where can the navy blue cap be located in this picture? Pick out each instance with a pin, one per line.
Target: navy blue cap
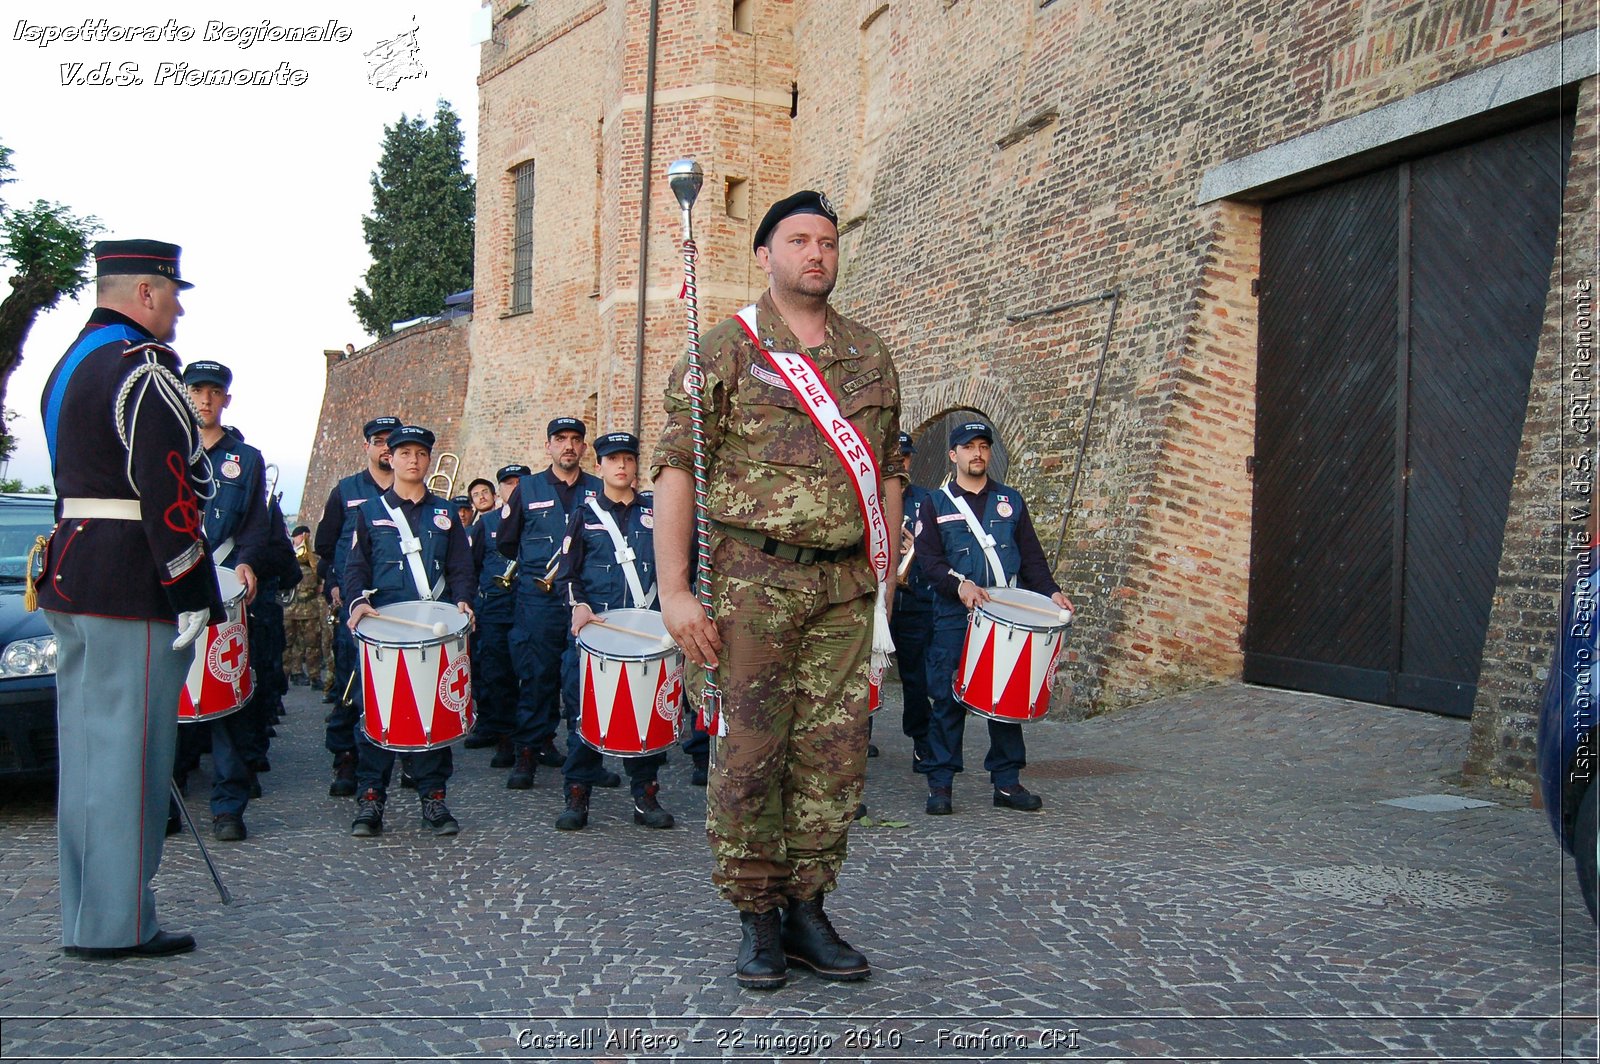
(616, 443)
(515, 469)
(906, 446)
(380, 424)
(461, 502)
(208, 373)
(410, 434)
(804, 202)
(968, 431)
(138, 257)
(566, 424)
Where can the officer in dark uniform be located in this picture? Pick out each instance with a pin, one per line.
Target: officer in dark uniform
(236, 532)
(378, 573)
(332, 545)
(127, 557)
(278, 572)
(592, 576)
(912, 625)
(534, 520)
(464, 509)
(494, 672)
(956, 563)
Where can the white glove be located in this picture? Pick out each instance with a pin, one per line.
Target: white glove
(190, 624)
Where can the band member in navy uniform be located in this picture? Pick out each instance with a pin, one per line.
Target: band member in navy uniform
(333, 540)
(534, 519)
(607, 562)
(465, 512)
(235, 518)
(912, 625)
(126, 559)
(494, 681)
(960, 566)
(378, 572)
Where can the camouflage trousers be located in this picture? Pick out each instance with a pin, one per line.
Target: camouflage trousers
(788, 774)
(304, 630)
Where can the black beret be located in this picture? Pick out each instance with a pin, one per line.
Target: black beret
(410, 434)
(138, 257)
(208, 373)
(805, 202)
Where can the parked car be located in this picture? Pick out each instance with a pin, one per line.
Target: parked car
(1567, 733)
(27, 648)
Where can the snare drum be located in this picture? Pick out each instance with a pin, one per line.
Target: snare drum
(220, 680)
(1008, 665)
(633, 696)
(416, 686)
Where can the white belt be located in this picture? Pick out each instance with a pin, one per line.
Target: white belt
(104, 509)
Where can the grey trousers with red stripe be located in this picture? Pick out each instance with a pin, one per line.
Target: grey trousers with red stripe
(117, 686)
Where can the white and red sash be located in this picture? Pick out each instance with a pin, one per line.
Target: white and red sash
(805, 380)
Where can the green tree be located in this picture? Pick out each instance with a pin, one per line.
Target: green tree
(420, 230)
(46, 246)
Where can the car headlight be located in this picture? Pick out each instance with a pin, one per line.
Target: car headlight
(29, 657)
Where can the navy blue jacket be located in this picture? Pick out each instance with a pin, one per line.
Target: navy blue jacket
(336, 530)
(377, 565)
(494, 602)
(535, 520)
(946, 546)
(918, 595)
(156, 567)
(589, 571)
(238, 504)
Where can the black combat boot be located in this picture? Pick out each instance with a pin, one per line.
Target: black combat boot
(575, 817)
(809, 940)
(702, 770)
(437, 816)
(761, 964)
(522, 771)
(344, 775)
(369, 815)
(648, 811)
(505, 754)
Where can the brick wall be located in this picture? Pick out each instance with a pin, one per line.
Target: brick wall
(418, 375)
(994, 159)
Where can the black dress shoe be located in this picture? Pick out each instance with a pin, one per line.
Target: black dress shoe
(1017, 797)
(161, 944)
(761, 964)
(810, 941)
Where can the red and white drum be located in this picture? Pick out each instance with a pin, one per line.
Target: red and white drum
(416, 676)
(1008, 665)
(220, 680)
(632, 699)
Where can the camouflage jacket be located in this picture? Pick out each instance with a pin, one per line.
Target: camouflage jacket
(768, 467)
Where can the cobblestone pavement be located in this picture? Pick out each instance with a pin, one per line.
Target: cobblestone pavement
(1213, 877)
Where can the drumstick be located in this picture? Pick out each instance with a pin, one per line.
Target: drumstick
(437, 627)
(1060, 615)
(664, 640)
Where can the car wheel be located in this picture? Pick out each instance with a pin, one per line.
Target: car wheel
(1584, 844)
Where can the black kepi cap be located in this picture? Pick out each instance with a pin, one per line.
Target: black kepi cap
(379, 424)
(515, 469)
(804, 202)
(208, 373)
(410, 434)
(138, 257)
(616, 443)
(968, 431)
(566, 424)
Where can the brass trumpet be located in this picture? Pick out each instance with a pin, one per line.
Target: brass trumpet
(506, 579)
(547, 582)
(440, 475)
(908, 550)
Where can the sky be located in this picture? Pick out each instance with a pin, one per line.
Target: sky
(263, 186)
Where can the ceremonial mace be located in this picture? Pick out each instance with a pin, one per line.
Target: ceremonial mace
(685, 177)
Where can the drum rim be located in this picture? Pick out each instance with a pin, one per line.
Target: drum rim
(660, 653)
(420, 641)
(1040, 626)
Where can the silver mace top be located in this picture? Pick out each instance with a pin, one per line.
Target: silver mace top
(685, 176)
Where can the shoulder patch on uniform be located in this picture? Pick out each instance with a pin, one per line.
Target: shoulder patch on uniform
(230, 469)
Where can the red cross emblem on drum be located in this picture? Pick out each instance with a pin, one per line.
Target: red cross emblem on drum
(229, 653)
(669, 696)
(455, 686)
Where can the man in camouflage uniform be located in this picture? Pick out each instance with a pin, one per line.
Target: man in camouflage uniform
(792, 593)
(305, 618)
